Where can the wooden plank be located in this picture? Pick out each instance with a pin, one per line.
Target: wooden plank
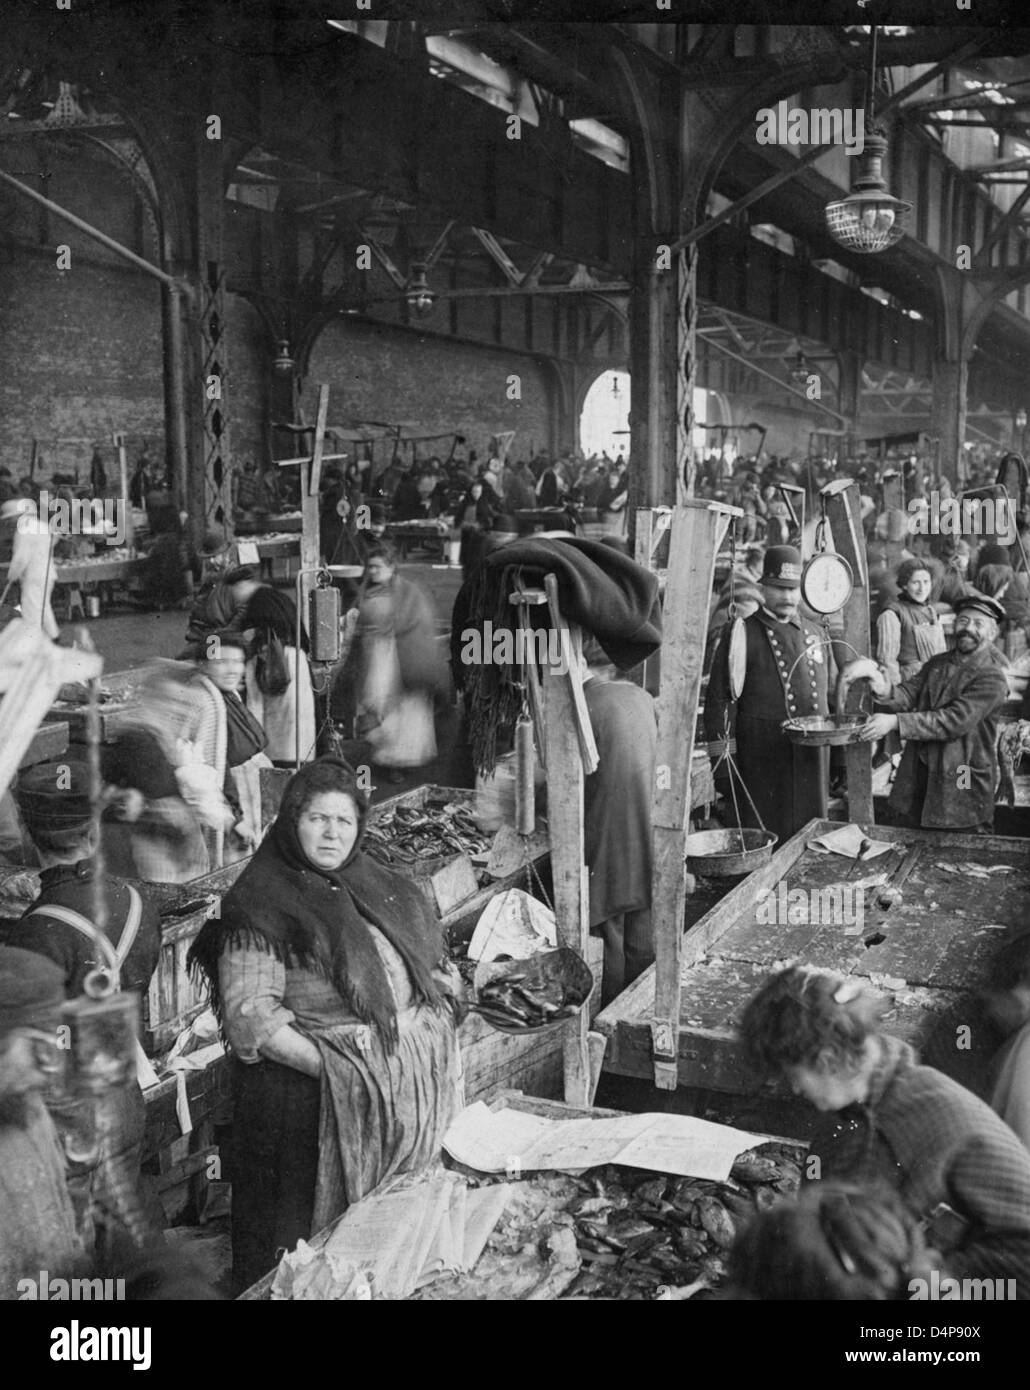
(572, 648)
(844, 514)
(697, 532)
(568, 870)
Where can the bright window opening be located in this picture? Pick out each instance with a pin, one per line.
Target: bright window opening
(604, 421)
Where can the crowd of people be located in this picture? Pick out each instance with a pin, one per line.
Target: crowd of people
(328, 974)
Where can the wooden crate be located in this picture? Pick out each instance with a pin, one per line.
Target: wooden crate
(174, 1000)
(209, 1095)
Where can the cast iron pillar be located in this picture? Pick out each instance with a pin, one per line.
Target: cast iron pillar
(965, 298)
(212, 509)
(849, 397)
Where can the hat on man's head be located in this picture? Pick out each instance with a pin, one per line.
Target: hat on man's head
(31, 990)
(54, 796)
(980, 603)
(781, 567)
(213, 543)
(992, 554)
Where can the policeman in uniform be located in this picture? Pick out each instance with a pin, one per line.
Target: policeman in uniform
(786, 677)
(54, 800)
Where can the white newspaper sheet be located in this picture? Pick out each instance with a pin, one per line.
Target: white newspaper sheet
(513, 1142)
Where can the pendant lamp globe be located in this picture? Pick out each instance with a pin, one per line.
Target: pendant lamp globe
(869, 219)
(417, 292)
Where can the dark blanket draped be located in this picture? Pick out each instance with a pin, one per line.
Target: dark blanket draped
(609, 595)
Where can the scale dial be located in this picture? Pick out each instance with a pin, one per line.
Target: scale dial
(827, 582)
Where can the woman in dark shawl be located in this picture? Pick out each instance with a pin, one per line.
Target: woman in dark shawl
(278, 678)
(331, 982)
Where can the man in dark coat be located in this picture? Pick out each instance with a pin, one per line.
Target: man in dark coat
(948, 716)
(786, 677)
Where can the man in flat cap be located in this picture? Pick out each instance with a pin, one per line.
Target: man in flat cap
(786, 677)
(37, 1222)
(947, 715)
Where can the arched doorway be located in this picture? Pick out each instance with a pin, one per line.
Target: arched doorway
(604, 419)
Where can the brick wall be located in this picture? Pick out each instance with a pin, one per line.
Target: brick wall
(378, 372)
(81, 350)
(80, 357)
(250, 357)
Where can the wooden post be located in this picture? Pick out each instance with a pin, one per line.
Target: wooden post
(652, 523)
(311, 480)
(568, 870)
(698, 529)
(123, 489)
(844, 515)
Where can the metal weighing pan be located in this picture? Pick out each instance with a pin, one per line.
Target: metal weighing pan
(728, 853)
(824, 730)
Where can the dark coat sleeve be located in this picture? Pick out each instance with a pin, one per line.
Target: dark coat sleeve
(984, 691)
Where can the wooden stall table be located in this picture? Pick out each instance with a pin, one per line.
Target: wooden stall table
(928, 952)
(270, 524)
(278, 549)
(542, 1215)
(72, 576)
(430, 534)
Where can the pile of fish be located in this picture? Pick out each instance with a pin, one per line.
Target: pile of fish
(638, 1233)
(410, 835)
(519, 999)
(970, 870)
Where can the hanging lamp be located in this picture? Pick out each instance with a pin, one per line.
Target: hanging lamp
(869, 219)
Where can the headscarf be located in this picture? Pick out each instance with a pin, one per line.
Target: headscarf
(273, 613)
(316, 919)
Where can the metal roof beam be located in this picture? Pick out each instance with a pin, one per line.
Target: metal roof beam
(999, 229)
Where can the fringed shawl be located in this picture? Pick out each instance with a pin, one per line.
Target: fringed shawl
(312, 919)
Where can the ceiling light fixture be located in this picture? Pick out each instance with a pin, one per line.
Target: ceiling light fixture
(869, 219)
(283, 363)
(418, 294)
